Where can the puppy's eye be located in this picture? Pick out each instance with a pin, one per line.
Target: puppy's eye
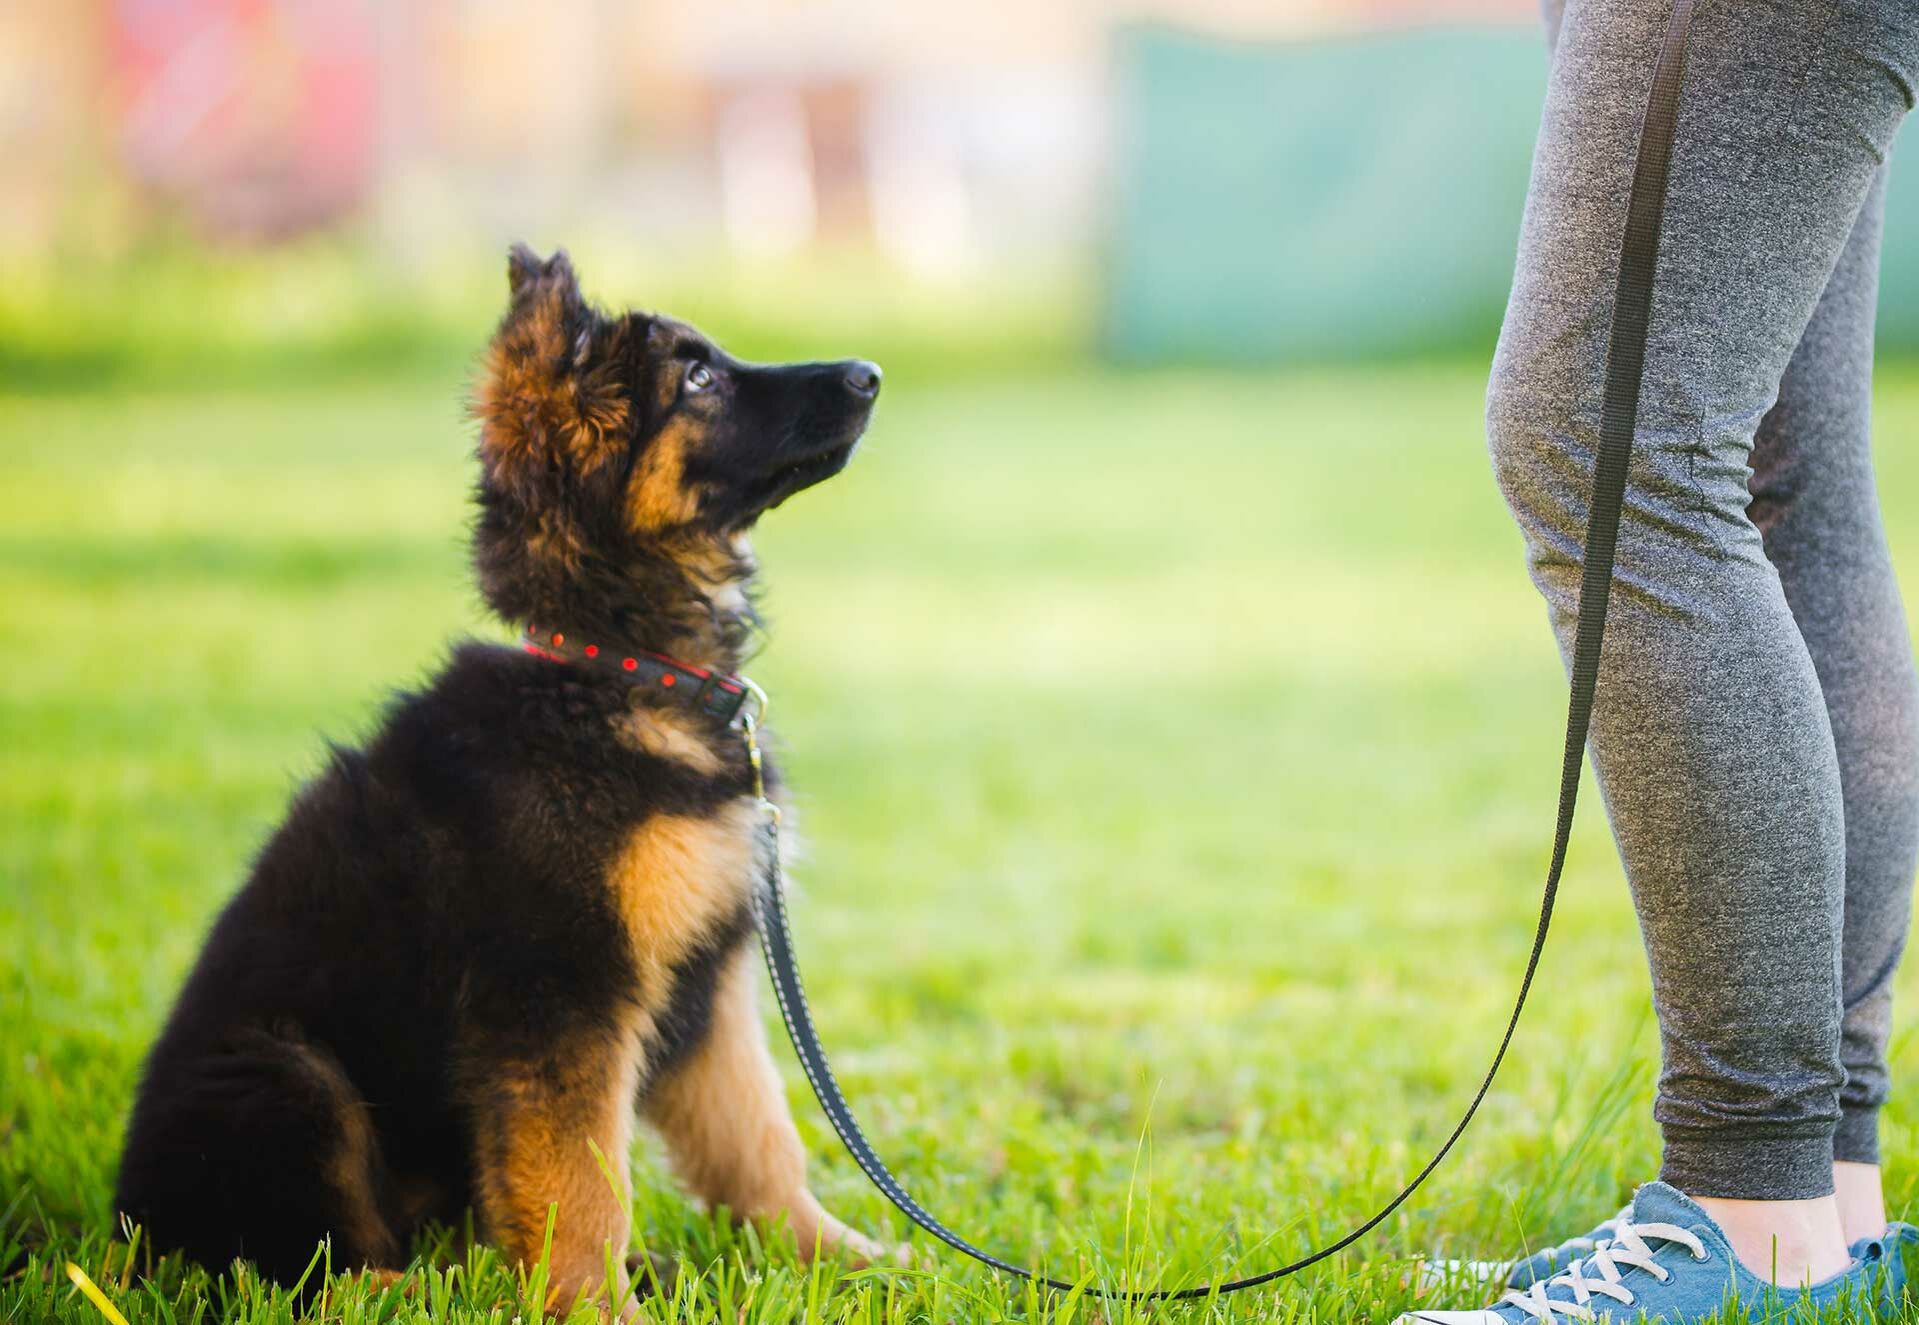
(699, 377)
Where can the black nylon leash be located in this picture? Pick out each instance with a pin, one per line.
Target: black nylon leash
(1619, 409)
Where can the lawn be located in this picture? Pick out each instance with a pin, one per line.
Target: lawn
(1176, 756)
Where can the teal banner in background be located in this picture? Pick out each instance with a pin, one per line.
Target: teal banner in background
(1341, 198)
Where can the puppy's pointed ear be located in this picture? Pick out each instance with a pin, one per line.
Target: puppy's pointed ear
(525, 269)
(549, 390)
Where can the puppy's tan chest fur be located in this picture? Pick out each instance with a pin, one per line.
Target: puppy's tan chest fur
(679, 879)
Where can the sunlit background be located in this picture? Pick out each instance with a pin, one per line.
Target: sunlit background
(1182, 180)
(1168, 711)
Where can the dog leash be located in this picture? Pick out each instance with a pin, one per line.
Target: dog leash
(1625, 371)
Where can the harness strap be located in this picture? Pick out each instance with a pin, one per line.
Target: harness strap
(1625, 370)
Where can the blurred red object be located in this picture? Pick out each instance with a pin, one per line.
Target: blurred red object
(256, 117)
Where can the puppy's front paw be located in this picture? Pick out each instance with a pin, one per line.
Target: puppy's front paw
(903, 1256)
(863, 1253)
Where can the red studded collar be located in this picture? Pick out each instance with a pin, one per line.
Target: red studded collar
(715, 693)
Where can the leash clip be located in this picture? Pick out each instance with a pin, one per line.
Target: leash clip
(767, 895)
(750, 720)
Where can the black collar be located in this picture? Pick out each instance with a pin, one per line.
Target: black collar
(717, 694)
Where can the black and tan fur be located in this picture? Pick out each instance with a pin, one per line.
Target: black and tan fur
(479, 946)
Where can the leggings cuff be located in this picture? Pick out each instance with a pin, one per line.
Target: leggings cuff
(1759, 1168)
(1857, 1140)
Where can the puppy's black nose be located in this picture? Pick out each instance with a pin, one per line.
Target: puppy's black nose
(863, 378)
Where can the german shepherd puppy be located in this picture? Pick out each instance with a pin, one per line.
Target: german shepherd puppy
(478, 947)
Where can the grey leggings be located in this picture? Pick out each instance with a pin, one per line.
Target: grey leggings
(1756, 733)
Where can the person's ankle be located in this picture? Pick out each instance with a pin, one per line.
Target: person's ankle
(1862, 1200)
(1790, 1243)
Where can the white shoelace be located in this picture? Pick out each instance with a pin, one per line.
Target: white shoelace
(1627, 1248)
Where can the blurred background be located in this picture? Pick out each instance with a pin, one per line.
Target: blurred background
(1169, 712)
(1150, 180)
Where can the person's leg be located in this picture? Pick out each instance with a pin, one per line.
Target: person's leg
(1814, 502)
(1710, 735)
(1856, 635)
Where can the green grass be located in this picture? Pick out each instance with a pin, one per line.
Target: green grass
(1176, 756)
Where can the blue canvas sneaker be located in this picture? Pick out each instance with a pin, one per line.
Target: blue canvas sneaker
(1665, 1261)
